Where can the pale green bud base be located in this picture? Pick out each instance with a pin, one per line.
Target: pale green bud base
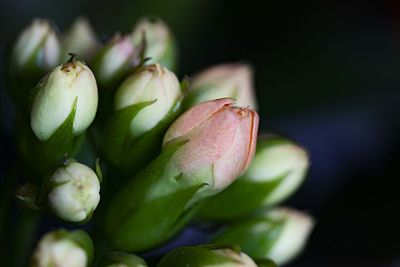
(129, 154)
(41, 157)
(153, 206)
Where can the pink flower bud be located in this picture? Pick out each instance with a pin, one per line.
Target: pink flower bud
(218, 135)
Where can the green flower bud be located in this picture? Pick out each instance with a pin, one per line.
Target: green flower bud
(74, 192)
(277, 171)
(68, 86)
(233, 80)
(80, 39)
(115, 61)
(206, 256)
(159, 44)
(279, 234)
(121, 259)
(151, 83)
(63, 249)
(35, 52)
(204, 150)
(145, 104)
(38, 45)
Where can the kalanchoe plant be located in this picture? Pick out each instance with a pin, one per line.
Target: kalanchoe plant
(64, 105)
(80, 39)
(62, 248)
(115, 61)
(234, 80)
(207, 255)
(154, 36)
(204, 150)
(277, 171)
(145, 105)
(279, 234)
(121, 259)
(35, 52)
(73, 192)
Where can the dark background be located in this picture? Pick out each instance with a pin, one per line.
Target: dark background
(327, 75)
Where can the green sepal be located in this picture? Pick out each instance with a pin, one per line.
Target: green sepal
(128, 260)
(255, 236)
(252, 195)
(127, 153)
(42, 157)
(98, 170)
(197, 256)
(151, 207)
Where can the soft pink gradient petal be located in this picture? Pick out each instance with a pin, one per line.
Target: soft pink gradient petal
(195, 116)
(209, 141)
(239, 155)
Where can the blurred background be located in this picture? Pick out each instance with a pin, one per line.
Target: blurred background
(327, 75)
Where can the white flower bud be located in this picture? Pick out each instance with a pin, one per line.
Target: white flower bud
(226, 80)
(151, 83)
(75, 192)
(80, 39)
(241, 259)
(67, 83)
(38, 44)
(55, 250)
(159, 42)
(296, 229)
(284, 159)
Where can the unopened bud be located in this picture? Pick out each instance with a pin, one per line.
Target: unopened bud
(114, 62)
(63, 249)
(233, 80)
(150, 83)
(70, 87)
(80, 39)
(159, 44)
(74, 192)
(279, 234)
(277, 171)
(206, 255)
(37, 47)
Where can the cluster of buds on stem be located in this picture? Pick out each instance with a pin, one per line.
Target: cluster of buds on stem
(205, 149)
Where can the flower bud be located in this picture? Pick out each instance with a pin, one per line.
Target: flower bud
(63, 249)
(150, 83)
(37, 46)
(114, 62)
(159, 44)
(36, 51)
(277, 171)
(80, 39)
(74, 192)
(121, 259)
(204, 150)
(206, 255)
(70, 87)
(233, 80)
(217, 135)
(279, 234)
